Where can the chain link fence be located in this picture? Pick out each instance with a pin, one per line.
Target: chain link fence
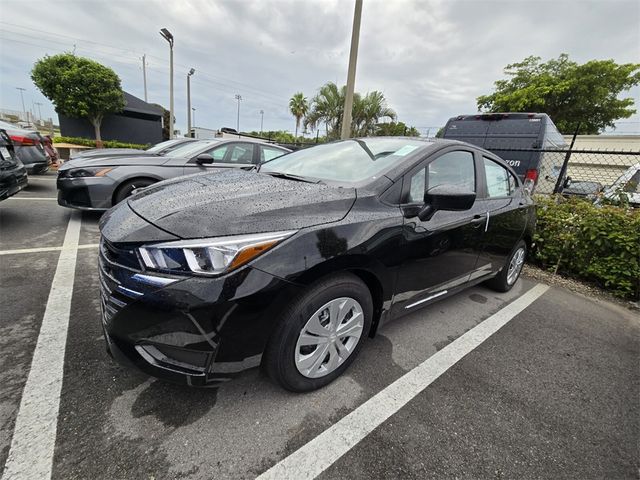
(576, 172)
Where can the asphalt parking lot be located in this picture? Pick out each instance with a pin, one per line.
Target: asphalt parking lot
(553, 393)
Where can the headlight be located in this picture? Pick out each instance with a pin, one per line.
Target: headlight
(88, 172)
(209, 256)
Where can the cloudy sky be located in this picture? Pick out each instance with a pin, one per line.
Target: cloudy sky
(431, 58)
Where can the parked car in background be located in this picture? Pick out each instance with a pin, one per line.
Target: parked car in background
(514, 137)
(50, 150)
(627, 185)
(291, 266)
(28, 148)
(13, 175)
(99, 183)
(158, 149)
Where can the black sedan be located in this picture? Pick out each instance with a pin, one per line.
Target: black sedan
(13, 174)
(292, 266)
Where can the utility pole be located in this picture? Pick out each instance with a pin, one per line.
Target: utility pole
(39, 112)
(166, 34)
(144, 75)
(351, 76)
(22, 98)
(261, 120)
(238, 98)
(191, 72)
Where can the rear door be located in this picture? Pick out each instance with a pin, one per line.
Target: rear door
(508, 137)
(506, 213)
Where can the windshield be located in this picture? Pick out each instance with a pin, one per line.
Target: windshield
(189, 149)
(164, 145)
(349, 161)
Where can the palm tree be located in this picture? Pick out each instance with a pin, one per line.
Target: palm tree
(328, 105)
(298, 106)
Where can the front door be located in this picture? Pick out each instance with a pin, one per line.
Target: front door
(438, 255)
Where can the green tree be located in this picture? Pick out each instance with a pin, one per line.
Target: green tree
(328, 105)
(571, 94)
(395, 129)
(298, 106)
(367, 112)
(79, 88)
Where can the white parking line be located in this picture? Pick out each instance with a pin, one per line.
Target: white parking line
(46, 249)
(320, 453)
(33, 198)
(34, 436)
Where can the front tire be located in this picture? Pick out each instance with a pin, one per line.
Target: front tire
(320, 333)
(126, 189)
(508, 276)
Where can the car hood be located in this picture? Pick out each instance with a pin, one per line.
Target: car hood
(233, 202)
(102, 152)
(139, 160)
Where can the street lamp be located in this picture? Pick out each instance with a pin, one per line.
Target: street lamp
(166, 34)
(351, 74)
(191, 72)
(22, 98)
(261, 120)
(193, 109)
(238, 98)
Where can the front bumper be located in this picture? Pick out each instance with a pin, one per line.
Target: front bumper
(190, 330)
(90, 193)
(12, 181)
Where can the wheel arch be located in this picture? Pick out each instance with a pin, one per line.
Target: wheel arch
(127, 180)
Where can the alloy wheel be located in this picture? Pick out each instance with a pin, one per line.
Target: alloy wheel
(515, 265)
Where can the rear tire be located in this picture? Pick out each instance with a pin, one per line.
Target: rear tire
(508, 276)
(126, 189)
(306, 351)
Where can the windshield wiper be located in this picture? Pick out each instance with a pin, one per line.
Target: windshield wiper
(291, 176)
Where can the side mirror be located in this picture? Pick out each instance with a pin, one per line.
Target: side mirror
(446, 197)
(204, 158)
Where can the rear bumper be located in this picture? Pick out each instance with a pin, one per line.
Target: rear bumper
(38, 168)
(12, 181)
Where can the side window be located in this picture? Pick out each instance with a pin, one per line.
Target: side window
(268, 153)
(513, 184)
(633, 184)
(241, 153)
(499, 179)
(453, 168)
(218, 153)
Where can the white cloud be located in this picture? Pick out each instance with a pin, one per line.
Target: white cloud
(430, 58)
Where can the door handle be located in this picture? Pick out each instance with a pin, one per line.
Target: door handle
(478, 220)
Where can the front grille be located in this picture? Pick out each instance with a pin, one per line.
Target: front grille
(123, 257)
(112, 294)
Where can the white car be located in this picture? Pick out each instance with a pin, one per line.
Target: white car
(628, 183)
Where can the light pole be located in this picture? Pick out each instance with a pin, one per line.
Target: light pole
(22, 98)
(191, 72)
(144, 75)
(261, 120)
(238, 98)
(351, 76)
(193, 109)
(39, 112)
(166, 34)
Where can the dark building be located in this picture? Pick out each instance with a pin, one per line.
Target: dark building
(139, 122)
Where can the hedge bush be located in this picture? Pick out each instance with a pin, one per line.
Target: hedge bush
(600, 244)
(87, 142)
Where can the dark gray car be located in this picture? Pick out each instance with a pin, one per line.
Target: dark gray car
(158, 149)
(100, 183)
(28, 148)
